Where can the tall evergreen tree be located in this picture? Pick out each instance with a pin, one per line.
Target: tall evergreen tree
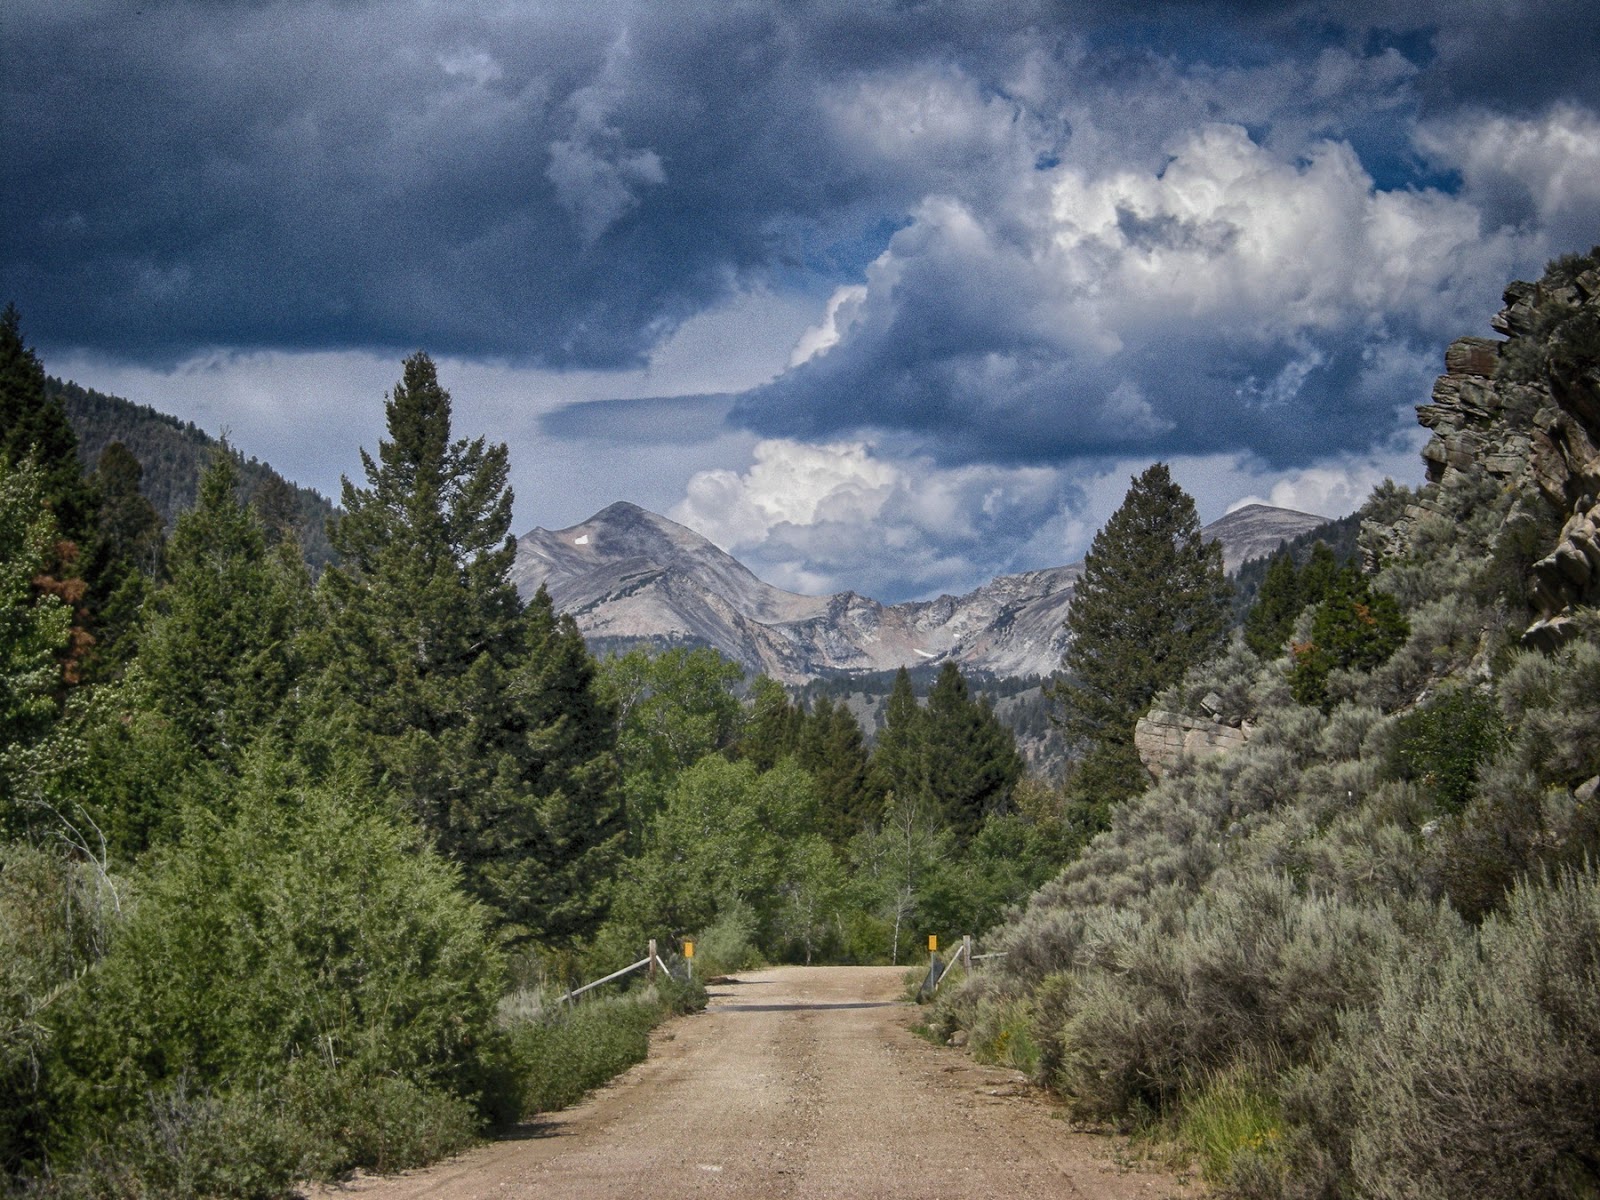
(833, 750)
(570, 738)
(1268, 623)
(221, 653)
(772, 730)
(127, 558)
(34, 424)
(422, 611)
(1285, 593)
(1152, 601)
(34, 428)
(971, 759)
(33, 631)
(480, 717)
(898, 765)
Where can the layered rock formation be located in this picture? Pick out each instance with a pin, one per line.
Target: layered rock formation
(1526, 413)
(1165, 740)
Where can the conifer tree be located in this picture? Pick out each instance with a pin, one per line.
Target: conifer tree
(1285, 593)
(898, 766)
(833, 750)
(34, 424)
(1354, 628)
(1270, 619)
(33, 630)
(971, 759)
(221, 653)
(127, 557)
(1152, 601)
(570, 737)
(480, 717)
(772, 730)
(34, 428)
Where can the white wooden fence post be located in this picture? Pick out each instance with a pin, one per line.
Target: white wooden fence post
(651, 955)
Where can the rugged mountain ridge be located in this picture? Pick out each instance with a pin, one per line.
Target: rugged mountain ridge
(628, 575)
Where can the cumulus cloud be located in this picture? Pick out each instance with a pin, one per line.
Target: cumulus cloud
(823, 517)
(1233, 298)
(1542, 171)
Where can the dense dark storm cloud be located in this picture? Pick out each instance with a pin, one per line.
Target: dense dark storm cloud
(545, 183)
(1060, 230)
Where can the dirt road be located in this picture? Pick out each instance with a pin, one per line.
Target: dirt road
(795, 1082)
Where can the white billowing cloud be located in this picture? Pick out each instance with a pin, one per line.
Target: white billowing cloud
(843, 309)
(1254, 245)
(1550, 162)
(820, 518)
(789, 483)
(1236, 298)
(1334, 487)
(823, 517)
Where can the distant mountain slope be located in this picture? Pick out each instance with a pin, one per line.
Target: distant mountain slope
(174, 454)
(628, 576)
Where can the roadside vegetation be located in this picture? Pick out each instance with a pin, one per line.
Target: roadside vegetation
(1360, 955)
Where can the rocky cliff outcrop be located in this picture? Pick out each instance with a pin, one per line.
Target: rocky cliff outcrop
(1165, 740)
(1525, 412)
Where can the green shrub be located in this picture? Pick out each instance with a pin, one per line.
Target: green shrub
(1355, 628)
(1478, 1073)
(309, 943)
(1441, 745)
(349, 1118)
(1002, 1032)
(186, 1144)
(56, 918)
(728, 944)
(561, 1058)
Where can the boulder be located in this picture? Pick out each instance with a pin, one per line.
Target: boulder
(1165, 740)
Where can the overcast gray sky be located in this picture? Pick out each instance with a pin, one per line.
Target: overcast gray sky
(891, 296)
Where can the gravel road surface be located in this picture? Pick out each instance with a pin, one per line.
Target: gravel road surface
(795, 1082)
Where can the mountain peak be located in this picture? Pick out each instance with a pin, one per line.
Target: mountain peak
(628, 575)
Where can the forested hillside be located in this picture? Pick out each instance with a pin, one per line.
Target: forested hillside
(174, 454)
(1359, 953)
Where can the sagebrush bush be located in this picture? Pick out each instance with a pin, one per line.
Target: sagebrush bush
(1478, 1073)
(1252, 970)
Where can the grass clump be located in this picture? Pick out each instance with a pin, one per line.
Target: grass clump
(561, 1055)
(1232, 1123)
